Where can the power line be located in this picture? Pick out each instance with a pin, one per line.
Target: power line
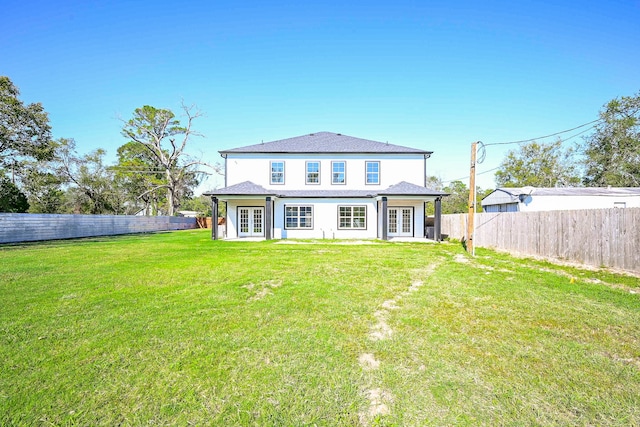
(578, 134)
(138, 170)
(133, 167)
(143, 169)
(467, 177)
(482, 153)
(546, 136)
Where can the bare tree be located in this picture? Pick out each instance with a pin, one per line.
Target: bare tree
(162, 135)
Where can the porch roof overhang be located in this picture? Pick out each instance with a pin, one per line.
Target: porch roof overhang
(409, 197)
(243, 190)
(406, 190)
(402, 190)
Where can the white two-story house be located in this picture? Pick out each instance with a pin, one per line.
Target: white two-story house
(326, 185)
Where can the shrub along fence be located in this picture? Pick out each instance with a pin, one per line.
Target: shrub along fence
(597, 237)
(16, 228)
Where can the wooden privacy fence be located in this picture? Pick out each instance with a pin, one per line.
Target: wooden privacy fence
(597, 237)
(203, 222)
(31, 227)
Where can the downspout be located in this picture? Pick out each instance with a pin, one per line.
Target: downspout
(426, 156)
(224, 156)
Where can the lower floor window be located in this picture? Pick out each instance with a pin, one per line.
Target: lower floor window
(298, 217)
(352, 217)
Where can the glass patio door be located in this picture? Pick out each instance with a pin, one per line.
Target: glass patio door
(250, 222)
(400, 222)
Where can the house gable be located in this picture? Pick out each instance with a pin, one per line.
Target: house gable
(325, 142)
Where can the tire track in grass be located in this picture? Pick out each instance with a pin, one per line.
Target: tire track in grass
(379, 398)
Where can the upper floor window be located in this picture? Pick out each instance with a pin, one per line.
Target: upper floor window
(298, 217)
(338, 172)
(277, 172)
(373, 172)
(313, 173)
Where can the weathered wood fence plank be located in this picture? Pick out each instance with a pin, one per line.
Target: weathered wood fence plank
(16, 228)
(597, 237)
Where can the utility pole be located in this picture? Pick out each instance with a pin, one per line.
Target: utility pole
(472, 202)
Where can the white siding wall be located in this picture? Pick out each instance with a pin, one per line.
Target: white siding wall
(393, 169)
(325, 219)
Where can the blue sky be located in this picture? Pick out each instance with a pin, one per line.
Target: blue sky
(435, 75)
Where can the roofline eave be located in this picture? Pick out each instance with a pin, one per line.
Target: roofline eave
(224, 153)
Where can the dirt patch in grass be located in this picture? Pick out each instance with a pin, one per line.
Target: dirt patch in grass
(381, 329)
(368, 361)
(379, 401)
(260, 290)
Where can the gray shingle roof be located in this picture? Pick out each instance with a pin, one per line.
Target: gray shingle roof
(248, 188)
(407, 189)
(326, 193)
(572, 191)
(325, 142)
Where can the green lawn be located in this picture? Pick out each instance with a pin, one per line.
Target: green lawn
(176, 329)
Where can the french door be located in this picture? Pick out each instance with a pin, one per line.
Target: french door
(400, 222)
(251, 222)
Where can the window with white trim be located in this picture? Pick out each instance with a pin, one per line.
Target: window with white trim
(338, 172)
(277, 172)
(352, 217)
(297, 217)
(313, 173)
(372, 172)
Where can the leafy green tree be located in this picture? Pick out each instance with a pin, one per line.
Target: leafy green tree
(200, 204)
(43, 187)
(165, 140)
(92, 187)
(24, 129)
(613, 151)
(458, 199)
(434, 183)
(538, 165)
(11, 198)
